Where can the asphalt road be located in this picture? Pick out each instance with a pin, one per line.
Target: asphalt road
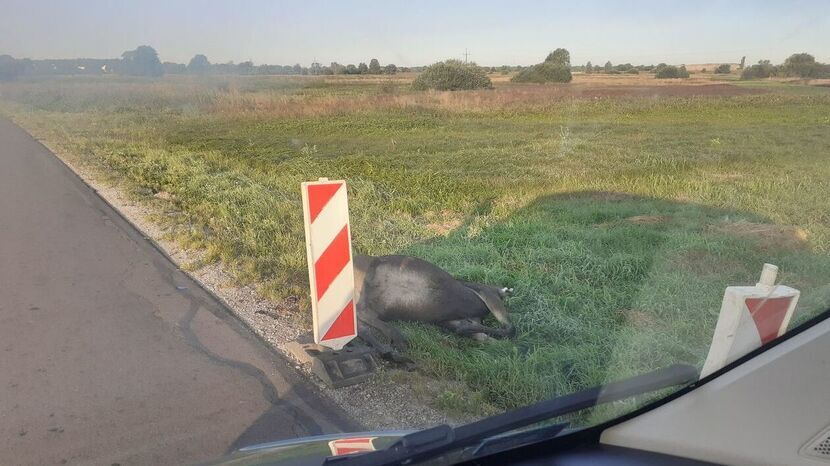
(108, 353)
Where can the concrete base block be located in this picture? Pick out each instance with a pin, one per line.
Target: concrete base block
(353, 364)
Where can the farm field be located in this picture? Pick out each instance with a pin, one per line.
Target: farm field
(617, 207)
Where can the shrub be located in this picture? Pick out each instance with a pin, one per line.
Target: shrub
(555, 69)
(803, 65)
(761, 70)
(670, 72)
(544, 73)
(451, 75)
(559, 57)
(725, 68)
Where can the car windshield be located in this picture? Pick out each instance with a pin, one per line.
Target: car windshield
(223, 225)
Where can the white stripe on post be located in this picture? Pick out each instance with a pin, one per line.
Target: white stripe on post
(329, 255)
(750, 316)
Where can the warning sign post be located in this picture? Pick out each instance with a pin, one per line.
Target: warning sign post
(750, 316)
(330, 271)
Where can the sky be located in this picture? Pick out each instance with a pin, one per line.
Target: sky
(419, 32)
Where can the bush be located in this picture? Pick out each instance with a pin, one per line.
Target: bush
(762, 70)
(559, 57)
(725, 68)
(451, 75)
(670, 72)
(804, 65)
(544, 73)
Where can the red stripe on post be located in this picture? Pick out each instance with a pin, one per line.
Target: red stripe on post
(332, 261)
(768, 314)
(343, 325)
(319, 195)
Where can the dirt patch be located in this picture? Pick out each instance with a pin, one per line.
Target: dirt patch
(442, 223)
(638, 318)
(767, 235)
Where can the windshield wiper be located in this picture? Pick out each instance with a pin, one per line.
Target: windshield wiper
(432, 442)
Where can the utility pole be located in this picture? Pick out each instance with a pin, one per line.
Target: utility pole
(466, 55)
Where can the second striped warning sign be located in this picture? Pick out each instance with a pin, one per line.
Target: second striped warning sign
(329, 253)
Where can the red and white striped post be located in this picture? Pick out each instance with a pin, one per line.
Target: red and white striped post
(347, 446)
(330, 271)
(750, 316)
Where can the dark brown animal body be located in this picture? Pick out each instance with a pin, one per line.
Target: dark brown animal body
(410, 289)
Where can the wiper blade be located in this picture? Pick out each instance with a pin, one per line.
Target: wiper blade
(506, 442)
(432, 442)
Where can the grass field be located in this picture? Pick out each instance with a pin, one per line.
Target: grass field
(619, 208)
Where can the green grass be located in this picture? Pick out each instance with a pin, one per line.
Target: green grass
(618, 221)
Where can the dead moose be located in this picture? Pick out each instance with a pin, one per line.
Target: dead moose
(406, 288)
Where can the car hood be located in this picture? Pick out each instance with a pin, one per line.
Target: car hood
(310, 450)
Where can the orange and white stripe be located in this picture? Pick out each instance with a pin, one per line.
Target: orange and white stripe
(347, 446)
(329, 252)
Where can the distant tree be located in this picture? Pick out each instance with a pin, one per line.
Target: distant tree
(316, 69)
(625, 67)
(362, 68)
(802, 65)
(725, 68)
(143, 61)
(246, 67)
(556, 68)
(11, 68)
(337, 68)
(351, 69)
(764, 69)
(589, 68)
(608, 67)
(664, 71)
(545, 72)
(199, 64)
(390, 69)
(174, 68)
(374, 66)
(560, 57)
(297, 69)
(743, 62)
(451, 75)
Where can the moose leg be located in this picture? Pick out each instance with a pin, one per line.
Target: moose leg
(387, 330)
(386, 350)
(473, 328)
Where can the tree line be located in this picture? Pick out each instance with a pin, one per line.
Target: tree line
(144, 61)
